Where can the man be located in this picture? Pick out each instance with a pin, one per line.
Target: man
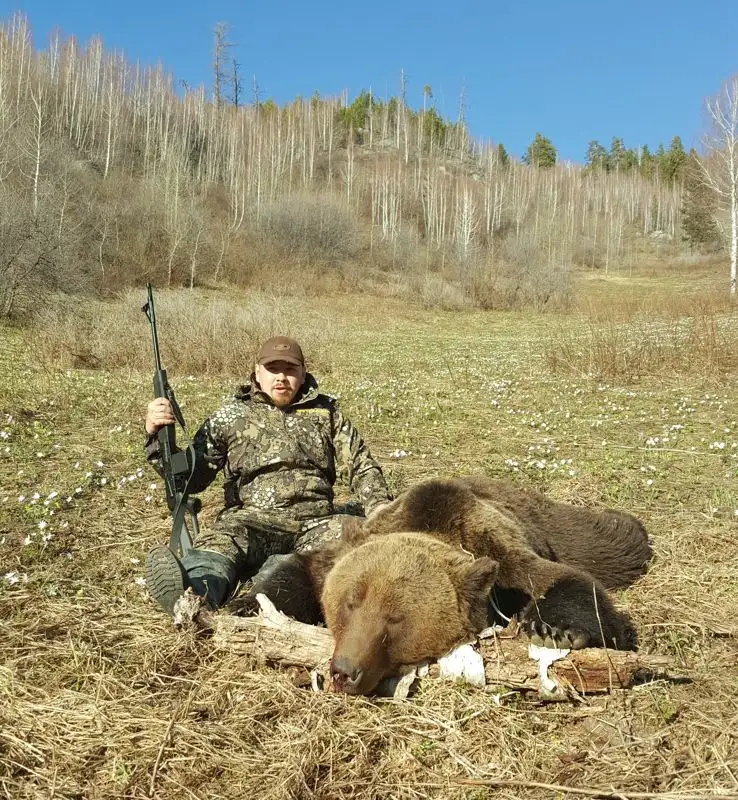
(281, 445)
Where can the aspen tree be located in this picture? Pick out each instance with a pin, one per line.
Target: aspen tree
(720, 167)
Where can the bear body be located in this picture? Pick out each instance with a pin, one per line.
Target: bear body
(414, 579)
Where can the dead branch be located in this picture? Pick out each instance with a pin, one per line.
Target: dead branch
(508, 661)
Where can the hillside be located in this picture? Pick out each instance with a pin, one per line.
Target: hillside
(112, 174)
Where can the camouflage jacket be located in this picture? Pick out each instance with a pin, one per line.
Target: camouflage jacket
(282, 463)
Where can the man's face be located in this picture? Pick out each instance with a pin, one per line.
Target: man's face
(280, 380)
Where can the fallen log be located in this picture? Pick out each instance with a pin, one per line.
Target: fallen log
(498, 661)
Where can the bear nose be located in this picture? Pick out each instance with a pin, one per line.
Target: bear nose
(345, 675)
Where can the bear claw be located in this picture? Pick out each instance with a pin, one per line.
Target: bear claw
(544, 635)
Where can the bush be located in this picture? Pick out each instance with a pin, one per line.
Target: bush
(524, 278)
(436, 292)
(308, 227)
(31, 255)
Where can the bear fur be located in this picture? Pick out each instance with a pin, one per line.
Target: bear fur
(415, 578)
(401, 598)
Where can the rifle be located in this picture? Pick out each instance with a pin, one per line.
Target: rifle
(177, 465)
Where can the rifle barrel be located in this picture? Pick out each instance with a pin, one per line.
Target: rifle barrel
(151, 314)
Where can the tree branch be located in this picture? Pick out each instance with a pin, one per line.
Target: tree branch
(506, 659)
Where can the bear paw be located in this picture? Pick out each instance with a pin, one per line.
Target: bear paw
(285, 580)
(574, 613)
(245, 605)
(545, 635)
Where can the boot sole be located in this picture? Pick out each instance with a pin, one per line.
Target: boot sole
(166, 578)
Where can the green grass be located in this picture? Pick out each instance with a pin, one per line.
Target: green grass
(100, 697)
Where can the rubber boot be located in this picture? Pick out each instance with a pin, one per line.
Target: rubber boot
(166, 578)
(209, 574)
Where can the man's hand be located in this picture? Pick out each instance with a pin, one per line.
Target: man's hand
(158, 414)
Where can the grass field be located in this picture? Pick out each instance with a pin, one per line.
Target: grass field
(628, 402)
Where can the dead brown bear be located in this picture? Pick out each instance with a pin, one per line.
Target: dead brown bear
(401, 598)
(393, 598)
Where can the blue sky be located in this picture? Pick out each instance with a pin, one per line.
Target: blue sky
(574, 71)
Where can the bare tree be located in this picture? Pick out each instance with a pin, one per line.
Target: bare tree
(35, 142)
(236, 82)
(720, 167)
(220, 59)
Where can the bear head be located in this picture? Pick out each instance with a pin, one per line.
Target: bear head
(399, 599)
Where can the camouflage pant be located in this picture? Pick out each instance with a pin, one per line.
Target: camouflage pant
(236, 546)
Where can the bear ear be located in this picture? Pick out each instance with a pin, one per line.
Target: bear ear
(353, 531)
(479, 577)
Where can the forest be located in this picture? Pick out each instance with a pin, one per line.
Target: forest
(112, 174)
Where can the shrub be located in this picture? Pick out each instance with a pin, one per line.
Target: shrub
(308, 227)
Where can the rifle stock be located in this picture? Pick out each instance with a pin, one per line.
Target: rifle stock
(176, 465)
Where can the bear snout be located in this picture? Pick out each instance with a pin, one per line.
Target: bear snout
(346, 676)
(359, 663)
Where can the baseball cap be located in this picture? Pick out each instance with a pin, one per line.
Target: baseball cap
(280, 348)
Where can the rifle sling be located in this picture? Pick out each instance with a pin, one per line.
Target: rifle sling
(180, 540)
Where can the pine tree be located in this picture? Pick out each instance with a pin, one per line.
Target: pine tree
(596, 157)
(646, 162)
(502, 157)
(659, 159)
(674, 161)
(354, 117)
(540, 152)
(699, 206)
(617, 154)
(630, 159)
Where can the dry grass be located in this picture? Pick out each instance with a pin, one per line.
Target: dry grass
(199, 332)
(705, 345)
(625, 329)
(100, 698)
